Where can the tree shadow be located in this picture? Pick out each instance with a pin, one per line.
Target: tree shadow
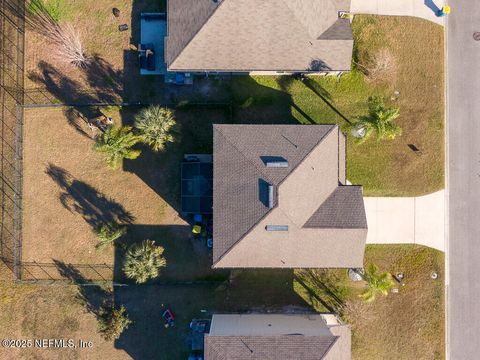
(77, 196)
(104, 84)
(92, 296)
(323, 94)
(103, 79)
(319, 65)
(324, 286)
(313, 294)
(67, 91)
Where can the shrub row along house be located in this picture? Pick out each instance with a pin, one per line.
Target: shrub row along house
(251, 36)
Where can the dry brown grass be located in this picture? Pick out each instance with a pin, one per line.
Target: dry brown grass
(49, 312)
(98, 29)
(404, 326)
(382, 66)
(58, 218)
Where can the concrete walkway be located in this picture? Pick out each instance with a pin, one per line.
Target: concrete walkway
(425, 9)
(407, 220)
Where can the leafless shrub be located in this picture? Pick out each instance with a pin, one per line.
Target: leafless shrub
(382, 66)
(65, 39)
(356, 313)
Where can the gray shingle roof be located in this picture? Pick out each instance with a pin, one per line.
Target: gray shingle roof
(252, 35)
(342, 209)
(285, 347)
(308, 198)
(340, 30)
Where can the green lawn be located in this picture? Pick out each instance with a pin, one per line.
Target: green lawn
(384, 168)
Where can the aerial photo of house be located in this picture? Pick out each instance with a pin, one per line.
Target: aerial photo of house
(239, 179)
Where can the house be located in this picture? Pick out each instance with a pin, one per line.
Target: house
(281, 199)
(259, 37)
(275, 336)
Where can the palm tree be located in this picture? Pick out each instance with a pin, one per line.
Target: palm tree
(157, 126)
(379, 119)
(116, 143)
(143, 261)
(108, 233)
(377, 283)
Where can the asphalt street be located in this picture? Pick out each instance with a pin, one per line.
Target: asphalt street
(463, 181)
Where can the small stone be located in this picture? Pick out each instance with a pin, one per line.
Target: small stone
(355, 274)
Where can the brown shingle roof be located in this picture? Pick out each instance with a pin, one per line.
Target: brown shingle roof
(326, 221)
(286, 347)
(252, 35)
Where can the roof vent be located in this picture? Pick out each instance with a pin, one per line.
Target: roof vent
(276, 227)
(270, 196)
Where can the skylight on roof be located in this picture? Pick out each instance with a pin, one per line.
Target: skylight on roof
(274, 161)
(276, 227)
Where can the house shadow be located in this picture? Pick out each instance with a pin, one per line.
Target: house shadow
(249, 291)
(188, 258)
(161, 171)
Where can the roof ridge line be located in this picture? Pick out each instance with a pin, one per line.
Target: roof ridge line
(313, 148)
(263, 216)
(268, 212)
(196, 32)
(336, 337)
(241, 152)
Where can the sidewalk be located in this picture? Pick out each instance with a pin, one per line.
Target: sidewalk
(425, 9)
(411, 220)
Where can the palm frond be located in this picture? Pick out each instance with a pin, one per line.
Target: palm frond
(116, 143)
(108, 233)
(143, 261)
(157, 126)
(379, 119)
(377, 283)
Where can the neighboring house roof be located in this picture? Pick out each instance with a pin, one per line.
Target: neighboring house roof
(252, 35)
(326, 219)
(274, 336)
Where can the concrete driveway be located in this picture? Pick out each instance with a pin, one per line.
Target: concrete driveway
(425, 9)
(407, 220)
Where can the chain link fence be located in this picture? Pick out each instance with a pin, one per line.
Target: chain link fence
(12, 41)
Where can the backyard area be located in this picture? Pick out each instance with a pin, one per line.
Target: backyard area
(69, 192)
(382, 329)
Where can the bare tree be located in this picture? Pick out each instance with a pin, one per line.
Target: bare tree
(66, 40)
